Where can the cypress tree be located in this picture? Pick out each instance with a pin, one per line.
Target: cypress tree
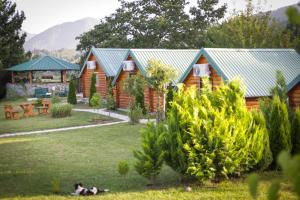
(296, 132)
(72, 93)
(92, 87)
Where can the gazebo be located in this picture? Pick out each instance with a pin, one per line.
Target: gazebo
(44, 69)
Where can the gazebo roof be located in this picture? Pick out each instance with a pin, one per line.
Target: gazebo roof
(45, 63)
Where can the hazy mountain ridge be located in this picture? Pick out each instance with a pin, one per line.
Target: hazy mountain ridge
(61, 36)
(280, 15)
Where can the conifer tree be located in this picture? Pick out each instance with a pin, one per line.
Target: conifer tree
(150, 158)
(296, 132)
(72, 92)
(92, 87)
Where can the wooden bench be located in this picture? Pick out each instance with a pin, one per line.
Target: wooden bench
(42, 93)
(10, 113)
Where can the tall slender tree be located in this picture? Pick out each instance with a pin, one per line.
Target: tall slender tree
(294, 24)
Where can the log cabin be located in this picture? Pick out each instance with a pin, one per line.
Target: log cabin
(178, 59)
(105, 63)
(256, 67)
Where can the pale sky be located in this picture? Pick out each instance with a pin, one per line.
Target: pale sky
(42, 14)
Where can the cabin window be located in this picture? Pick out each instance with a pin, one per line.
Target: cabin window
(97, 79)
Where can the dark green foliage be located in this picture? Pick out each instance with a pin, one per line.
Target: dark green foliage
(110, 101)
(296, 132)
(212, 135)
(72, 93)
(38, 102)
(61, 110)
(92, 87)
(11, 37)
(134, 87)
(154, 24)
(249, 29)
(150, 158)
(170, 95)
(294, 25)
(279, 127)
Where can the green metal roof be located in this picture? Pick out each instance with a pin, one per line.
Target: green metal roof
(109, 58)
(256, 67)
(180, 59)
(45, 63)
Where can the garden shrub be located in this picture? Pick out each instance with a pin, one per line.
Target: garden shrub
(110, 101)
(72, 92)
(215, 135)
(169, 96)
(296, 132)
(55, 99)
(60, 110)
(123, 168)
(150, 158)
(96, 101)
(135, 113)
(278, 124)
(55, 186)
(92, 88)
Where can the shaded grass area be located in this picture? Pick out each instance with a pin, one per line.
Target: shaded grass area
(29, 164)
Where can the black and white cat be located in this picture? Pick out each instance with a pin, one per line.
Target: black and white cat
(80, 190)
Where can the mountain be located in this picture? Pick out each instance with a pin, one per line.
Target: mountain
(61, 36)
(29, 36)
(280, 15)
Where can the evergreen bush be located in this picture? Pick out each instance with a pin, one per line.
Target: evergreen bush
(135, 113)
(72, 92)
(92, 87)
(123, 168)
(110, 101)
(150, 158)
(212, 135)
(96, 101)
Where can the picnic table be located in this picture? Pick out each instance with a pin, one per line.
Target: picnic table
(27, 108)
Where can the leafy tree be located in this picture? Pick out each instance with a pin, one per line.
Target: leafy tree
(72, 93)
(249, 29)
(296, 132)
(92, 88)
(11, 37)
(158, 76)
(134, 87)
(294, 25)
(153, 24)
(150, 158)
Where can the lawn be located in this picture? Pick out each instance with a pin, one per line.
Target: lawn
(30, 163)
(41, 122)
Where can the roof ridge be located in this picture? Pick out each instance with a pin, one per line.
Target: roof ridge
(55, 59)
(252, 49)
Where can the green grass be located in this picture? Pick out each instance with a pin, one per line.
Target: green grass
(29, 164)
(41, 122)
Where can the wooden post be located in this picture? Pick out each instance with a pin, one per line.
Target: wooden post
(64, 76)
(30, 77)
(12, 77)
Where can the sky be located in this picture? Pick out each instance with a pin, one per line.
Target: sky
(43, 14)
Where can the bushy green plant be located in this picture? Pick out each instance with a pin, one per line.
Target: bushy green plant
(55, 99)
(123, 168)
(135, 113)
(92, 88)
(96, 101)
(61, 110)
(72, 92)
(150, 158)
(170, 95)
(296, 132)
(215, 135)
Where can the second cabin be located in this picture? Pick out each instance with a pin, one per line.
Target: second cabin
(256, 67)
(104, 63)
(137, 62)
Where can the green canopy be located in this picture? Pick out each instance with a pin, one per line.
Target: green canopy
(44, 63)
